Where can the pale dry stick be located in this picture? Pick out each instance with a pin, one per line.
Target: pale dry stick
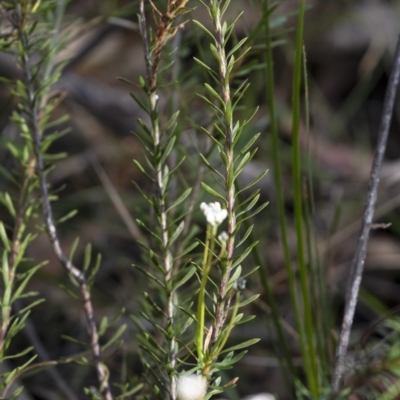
(357, 265)
(33, 121)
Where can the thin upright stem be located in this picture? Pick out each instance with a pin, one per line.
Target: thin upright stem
(223, 301)
(279, 191)
(357, 265)
(33, 112)
(161, 189)
(308, 343)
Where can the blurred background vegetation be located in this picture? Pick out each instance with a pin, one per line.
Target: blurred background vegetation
(349, 46)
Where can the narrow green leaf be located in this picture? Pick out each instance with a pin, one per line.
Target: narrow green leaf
(215, 53)
(27, 240)
(248, 144)
(22, 285)
(245, 319)
(87, 257)
(208, 165)
(168, 149)
(103, 326)
(247, 343)
(186, 277)
(146, 130)
(4, 238)
(180, 199)
(73, 249)
(115, 336)
(142, 170)
(244, 255)
(237, 47)
(94, 270)
(213, 93)
(250, 272)
(5, 269)
(259, 209)
(68, 216)
(141, 103)
(215, 140)
(214, 193)
(69, 291)
(224, 158)
(202, 64)
(7, 175)
(204, 29)
(176, 234)
(242, 164)
(253, 182)
(235, 275)
(6, 200)
(249, 300)
(212, 105)
(18, 355)
(187, 250)
(122, 79)
(73, 340)
(245, 236)
(150, 276)
(249, 206)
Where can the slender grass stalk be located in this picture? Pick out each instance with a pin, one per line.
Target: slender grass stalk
(309, 355)
(319, 285)
(305, 340)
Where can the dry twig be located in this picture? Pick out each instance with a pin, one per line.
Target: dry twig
(357, 265)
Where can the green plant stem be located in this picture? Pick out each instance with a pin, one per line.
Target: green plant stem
(319, 289)
(278, 183)
(160, 195)
(32, 106)
(229, 327)
(222, 301)
(309, 355)
(206, 267)
(15, 248)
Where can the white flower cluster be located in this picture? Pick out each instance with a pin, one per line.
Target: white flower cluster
(191, 387)
(214, 213)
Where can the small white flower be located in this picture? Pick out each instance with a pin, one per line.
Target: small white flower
(260, 396)
(191, 387)
(214, 213)
(223, 238)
